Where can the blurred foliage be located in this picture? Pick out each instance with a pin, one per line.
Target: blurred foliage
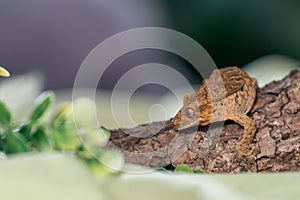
(60, 132)
(236, 32)
(57, 132)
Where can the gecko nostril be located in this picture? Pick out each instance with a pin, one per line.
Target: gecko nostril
(189, 112)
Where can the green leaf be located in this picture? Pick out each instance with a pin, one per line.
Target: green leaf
(83, 153)
(40, 140)
(62, 114)
(97, 168)
(162, 169)
(5, 115)
(15, 143)
(43, 103)
(183, 168)
(105, 131)
(25, 130)
(66, 140)
(198, 172)
(94, 139)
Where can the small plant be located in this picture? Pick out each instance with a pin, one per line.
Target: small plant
(48, 129)
(184, 168)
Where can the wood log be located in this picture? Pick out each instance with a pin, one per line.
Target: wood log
(211, 149)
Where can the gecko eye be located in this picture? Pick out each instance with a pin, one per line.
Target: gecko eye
(189, 113)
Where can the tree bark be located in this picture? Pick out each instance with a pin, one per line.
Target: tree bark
(211, 149)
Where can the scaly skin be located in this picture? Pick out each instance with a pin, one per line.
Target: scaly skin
(228, 94)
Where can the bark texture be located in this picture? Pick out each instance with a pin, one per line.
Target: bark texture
(276, 113)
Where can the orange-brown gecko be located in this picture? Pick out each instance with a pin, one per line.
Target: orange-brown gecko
(228, 94)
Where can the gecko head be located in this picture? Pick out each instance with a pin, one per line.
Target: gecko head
(188, 115)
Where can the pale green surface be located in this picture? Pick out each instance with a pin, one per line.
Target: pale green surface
(213, 187)
(150, 186)
(47, 177)
(269, 186)
(57, 176)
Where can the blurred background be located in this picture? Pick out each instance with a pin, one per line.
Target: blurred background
(55, 36)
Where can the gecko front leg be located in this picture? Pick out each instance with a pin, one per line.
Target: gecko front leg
(244, 147)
